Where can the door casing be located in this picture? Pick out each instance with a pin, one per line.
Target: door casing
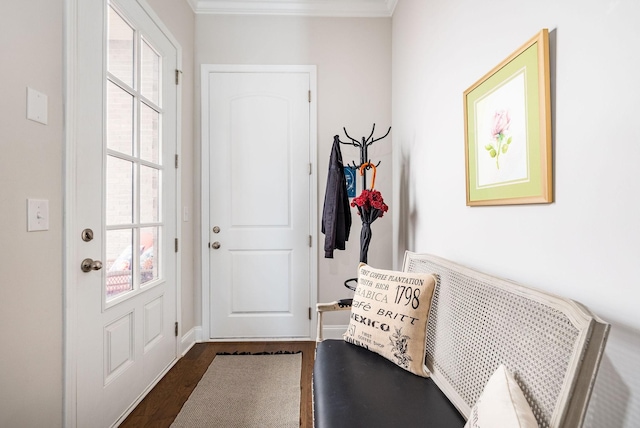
(204, 180)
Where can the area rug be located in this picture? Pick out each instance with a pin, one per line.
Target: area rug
(246, 391)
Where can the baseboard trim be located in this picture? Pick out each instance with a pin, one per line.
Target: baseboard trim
(333, 331)
(192, 337)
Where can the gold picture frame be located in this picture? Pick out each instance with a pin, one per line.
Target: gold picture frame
(507, 123)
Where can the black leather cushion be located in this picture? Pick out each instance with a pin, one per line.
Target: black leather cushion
(353, 387)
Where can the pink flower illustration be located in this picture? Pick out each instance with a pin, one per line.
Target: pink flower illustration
(500, 143)
(501, 123)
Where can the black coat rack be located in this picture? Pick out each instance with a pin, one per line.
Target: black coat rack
(364, 160)
(364, 151)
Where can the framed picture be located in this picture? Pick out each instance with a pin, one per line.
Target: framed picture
(507, 118)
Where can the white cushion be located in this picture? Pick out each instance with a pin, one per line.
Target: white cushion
(501, 404)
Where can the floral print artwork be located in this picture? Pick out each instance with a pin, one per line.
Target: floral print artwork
(500, 135)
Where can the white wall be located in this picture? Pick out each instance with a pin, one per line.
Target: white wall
(586, 245)
(30, 262)
(353, 58)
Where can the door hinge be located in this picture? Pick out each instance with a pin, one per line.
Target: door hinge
(310, 168)
(178, 73)
(309, 313)
(176, 245)
(309, 95)
(310, 240)
(176, 161)
(176, 329)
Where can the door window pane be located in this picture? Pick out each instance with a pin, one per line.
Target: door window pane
(149, 194)
(149, 134)
(149, 256)
(120, 257)
(121, 48)
(119, 119)
(150, 73)
(119, 203)
(133, 210)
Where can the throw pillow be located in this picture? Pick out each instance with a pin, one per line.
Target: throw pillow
(501, 404)
(389, 315)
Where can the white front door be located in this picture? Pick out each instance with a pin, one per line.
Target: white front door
(123, 210)
(257, 128)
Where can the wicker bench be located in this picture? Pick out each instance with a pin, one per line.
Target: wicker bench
(552, 345)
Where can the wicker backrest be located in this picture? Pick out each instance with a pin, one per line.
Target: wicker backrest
(552, 345)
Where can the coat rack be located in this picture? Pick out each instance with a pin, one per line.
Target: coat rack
(364, 152)
(365, 164)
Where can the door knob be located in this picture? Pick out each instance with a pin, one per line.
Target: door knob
(88, 265)
(215, 245)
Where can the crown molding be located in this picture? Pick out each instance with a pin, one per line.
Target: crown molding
(332, 8)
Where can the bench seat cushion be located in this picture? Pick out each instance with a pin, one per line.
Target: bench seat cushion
(353, 387)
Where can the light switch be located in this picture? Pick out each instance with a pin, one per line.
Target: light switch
(37, 215)
(37, 106)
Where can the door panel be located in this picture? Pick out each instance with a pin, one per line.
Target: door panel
(125, 192)
(274, 293)
(263, 148)
(259, 137)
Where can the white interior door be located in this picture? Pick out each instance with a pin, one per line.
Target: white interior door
(125, 193)
(257, 128)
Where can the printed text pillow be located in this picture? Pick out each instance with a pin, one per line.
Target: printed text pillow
(389, 315)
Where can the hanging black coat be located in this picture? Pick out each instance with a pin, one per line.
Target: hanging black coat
(336, 214)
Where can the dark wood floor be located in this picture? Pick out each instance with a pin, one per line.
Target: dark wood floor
(163, 403)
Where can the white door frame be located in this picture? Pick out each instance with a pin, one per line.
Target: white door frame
(204, 180)
(71, 259)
